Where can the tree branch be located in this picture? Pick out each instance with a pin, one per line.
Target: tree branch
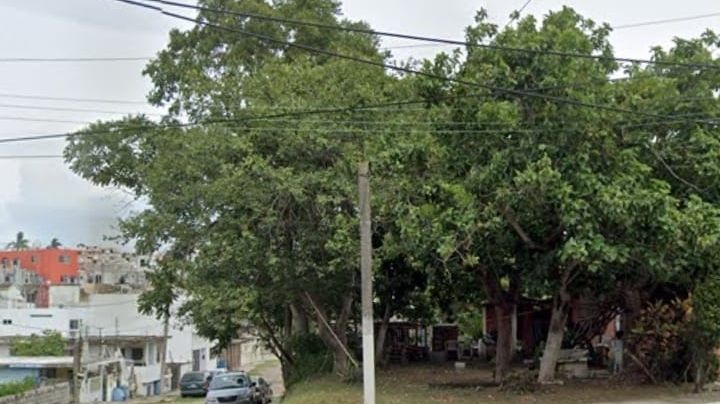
(512, 221)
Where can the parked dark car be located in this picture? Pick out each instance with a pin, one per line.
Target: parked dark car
(231, 388)
(194, 384)
(263, 392)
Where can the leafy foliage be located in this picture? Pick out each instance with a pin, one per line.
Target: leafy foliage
(479, 195)
(658, 339)
(312, 357)
(16, 387)
(50, 343)
(20, 242)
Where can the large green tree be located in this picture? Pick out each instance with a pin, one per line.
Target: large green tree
(556, 198)
(257, 218)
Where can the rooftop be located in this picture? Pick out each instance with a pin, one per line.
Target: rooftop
(37, 361)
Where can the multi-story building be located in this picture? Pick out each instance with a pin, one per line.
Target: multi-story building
(54, 265)
(112, 328)
(108, 266)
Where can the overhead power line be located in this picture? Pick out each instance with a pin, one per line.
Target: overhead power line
(49, 120)
(509, 91)
(75, 60)
(520, 10)
(246, 119)
(65, 109)
(29, 156)
(71, 99)
(413, 37)
(666, 21)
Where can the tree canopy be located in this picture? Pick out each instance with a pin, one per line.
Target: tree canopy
(549, 179)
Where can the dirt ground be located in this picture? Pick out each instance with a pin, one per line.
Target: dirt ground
(436, 384)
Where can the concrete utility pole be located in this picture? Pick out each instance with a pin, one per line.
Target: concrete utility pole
(77, 366)
(368, 338)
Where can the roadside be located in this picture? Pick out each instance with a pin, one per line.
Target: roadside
(268, 370)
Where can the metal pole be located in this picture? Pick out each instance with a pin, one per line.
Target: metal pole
(368, 337)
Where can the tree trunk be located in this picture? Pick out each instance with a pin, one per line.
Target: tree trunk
(503, 349)
(163, 353)
(287, 324)
(335, 337)
(299, 319)
(556, 332)
(382, 333)
(699, 374)
(505, 303)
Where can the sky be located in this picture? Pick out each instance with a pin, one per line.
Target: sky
(43, 198)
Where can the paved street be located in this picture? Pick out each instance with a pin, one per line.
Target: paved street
(269, 370)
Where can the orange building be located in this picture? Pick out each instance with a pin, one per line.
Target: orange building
(54, 265)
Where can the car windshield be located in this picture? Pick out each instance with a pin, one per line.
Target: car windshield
(229, 381)
(192, 377)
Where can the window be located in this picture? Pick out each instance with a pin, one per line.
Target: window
(33, 259)
(5, 263)
(98, 278)
(16, 262)
(64, 259)
(74, 324)
(137, 355)
(7, 321)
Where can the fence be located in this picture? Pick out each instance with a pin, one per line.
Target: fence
(53, 394)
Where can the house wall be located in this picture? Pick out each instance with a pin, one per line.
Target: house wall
(91, 390)
(17, 374)
(25, 322)
(63, 295)
(12, 298)
(46, 262)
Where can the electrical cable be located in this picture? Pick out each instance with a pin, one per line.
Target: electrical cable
(418, 37)
(74, 60)
(71, 99)
(513, 92)
(669, 20)
(66, 109)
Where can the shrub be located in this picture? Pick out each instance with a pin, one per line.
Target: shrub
(11, 388)
(51, 343)
(522, 382)
(310, 355)
(658, 340)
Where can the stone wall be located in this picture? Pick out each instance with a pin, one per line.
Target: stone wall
(54, 394)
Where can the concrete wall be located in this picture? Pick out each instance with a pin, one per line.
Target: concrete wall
(54, 394)
(16, 374)
(63, 295)
(25, 322)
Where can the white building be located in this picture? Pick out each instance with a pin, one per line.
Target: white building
(111, 323)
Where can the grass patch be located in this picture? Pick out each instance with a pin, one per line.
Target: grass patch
(11, 388)
(411, 385)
